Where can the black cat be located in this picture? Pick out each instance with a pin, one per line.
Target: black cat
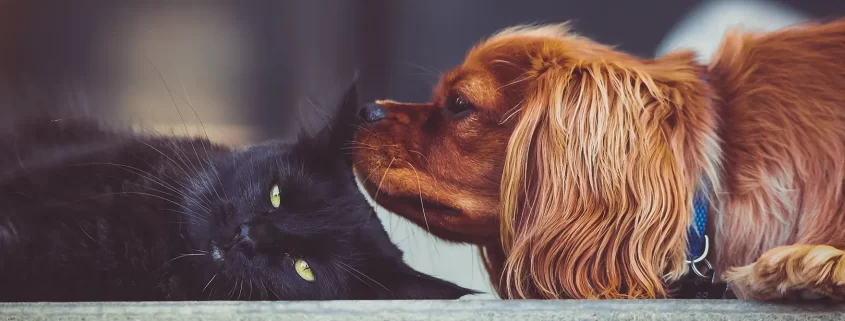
(92, 214)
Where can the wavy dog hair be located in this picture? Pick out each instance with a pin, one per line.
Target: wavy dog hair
(597, 185)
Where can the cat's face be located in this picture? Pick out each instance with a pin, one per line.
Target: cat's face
(287, 221)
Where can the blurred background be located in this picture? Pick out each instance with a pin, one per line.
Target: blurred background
(258, 69)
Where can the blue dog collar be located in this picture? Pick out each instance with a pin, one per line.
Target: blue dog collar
(698, 244)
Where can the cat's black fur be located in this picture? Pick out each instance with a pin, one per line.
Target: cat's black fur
(93, 214)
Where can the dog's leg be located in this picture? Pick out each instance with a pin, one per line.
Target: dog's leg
(798, 271)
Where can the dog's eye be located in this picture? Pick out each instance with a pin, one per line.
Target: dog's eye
(459, 107)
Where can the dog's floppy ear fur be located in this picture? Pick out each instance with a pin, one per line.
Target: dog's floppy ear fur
(599, 176)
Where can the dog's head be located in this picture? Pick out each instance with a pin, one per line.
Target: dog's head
(581, 159)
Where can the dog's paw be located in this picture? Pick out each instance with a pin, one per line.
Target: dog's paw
(793, 272)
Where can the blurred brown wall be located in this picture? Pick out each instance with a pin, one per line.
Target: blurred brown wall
(8, 32)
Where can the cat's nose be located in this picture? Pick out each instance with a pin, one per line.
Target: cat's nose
(245, 237)
(372, 112)
(251, 236)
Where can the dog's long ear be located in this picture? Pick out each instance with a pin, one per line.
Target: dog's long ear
(598, 179)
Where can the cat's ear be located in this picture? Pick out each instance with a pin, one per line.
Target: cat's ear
(339, 131)
(405, 283)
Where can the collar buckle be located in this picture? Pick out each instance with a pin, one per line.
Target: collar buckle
(709, 272)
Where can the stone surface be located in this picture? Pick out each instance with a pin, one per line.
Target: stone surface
(673, 310)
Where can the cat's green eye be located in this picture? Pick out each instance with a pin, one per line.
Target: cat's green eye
(275, 196)
(303, 270)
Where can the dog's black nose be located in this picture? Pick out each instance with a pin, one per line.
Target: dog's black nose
(372, 112)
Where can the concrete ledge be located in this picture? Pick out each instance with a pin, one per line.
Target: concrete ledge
(674, 310)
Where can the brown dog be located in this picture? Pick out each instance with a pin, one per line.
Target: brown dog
(583, 162)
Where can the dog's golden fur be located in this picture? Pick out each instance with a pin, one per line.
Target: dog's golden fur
(596, 154)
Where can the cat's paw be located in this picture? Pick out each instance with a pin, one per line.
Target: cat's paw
(793, 272)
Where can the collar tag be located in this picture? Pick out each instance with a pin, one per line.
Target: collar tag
(694, 263)
(702, 282)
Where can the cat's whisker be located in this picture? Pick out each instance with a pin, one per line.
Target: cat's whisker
(354, 275)
(299, 114)
(189, 223)
(214, 103)
(240, 292)
(179, 112)
(121, 193)
(187, 198)
(232, 292)
(205, 148)
(140, 172)
(187, 99)
(263, 287)
(208, 180)
(160, 191)
(405, 239)
(185, 161)
(364, 275)
(209, 282)
(189, 214)
(271, 291)
(183, 186)
(152, 195)
(191, 106)
(326, 117)
(18, 155)
(341, 257)
(250, 290)
(86, 233)
(433, 74)
(164, 199)
(183, 256)
(165, 156)
(197, 174)
(192, 201)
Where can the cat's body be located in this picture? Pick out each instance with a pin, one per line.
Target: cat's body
(71, 205)
(92, 214)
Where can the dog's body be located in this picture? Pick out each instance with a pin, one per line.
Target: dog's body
(783, 145)
(588, 160)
